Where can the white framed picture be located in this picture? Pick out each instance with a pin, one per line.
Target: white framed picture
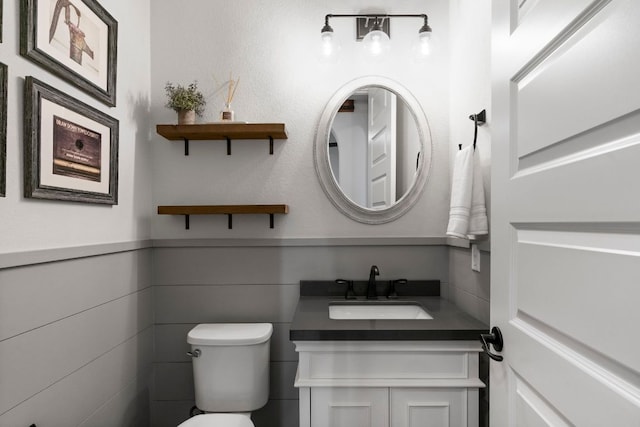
(71, 149)
(74, 39)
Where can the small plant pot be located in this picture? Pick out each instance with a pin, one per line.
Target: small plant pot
(186, 117)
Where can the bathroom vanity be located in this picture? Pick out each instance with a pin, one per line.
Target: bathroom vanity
(386, 372)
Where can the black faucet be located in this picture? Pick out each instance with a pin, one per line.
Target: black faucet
(371, 287)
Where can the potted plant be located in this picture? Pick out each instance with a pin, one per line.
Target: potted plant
(186, 101)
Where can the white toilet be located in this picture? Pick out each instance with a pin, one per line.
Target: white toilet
(230, 372)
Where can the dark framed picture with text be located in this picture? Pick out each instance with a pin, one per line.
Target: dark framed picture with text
(75, 40)
(71, 149)
(3, 129)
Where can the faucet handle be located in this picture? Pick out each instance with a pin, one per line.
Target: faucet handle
(350, 294)
(392, 287)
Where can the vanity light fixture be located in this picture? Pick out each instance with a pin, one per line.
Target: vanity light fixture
(376, 41)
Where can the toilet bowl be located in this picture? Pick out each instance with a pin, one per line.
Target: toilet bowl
(230, 372)
(218, 420)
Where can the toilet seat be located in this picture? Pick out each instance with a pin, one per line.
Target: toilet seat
(218, 420)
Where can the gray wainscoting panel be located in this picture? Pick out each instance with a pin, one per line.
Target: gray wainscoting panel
(32, 296)
(173, 381)
(45, 355)
(278, 413)
(225, 303)
(76, 340)
(74, 398)
(260, 265)
(117, 411)
(207, 284)
(468, 289)
(169, 413)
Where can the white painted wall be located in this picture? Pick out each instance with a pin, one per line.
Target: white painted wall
(30, 224)
(272, 47)
(471, 80)
(470, 93)
(470, 22)
(69, 270)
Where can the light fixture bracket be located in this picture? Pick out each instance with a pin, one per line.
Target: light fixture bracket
(364, 24)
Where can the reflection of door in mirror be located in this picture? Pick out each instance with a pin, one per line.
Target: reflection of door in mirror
(373, 146)
(350, 132)
(381, 149)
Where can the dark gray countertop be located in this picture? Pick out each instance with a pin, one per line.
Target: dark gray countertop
(311, 322)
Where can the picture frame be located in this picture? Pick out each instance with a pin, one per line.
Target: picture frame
(3, 128)
(70, 148)
(74, 39)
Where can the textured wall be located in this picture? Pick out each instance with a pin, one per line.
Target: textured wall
(272, 46)
(31, 224)
(471, 93)
(76, 326)
(273, 50)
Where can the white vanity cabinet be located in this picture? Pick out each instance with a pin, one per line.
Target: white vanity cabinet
(388, 383)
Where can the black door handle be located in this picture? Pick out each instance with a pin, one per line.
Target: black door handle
(494, 338)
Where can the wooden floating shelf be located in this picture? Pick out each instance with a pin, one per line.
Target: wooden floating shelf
(223, 131)
(228, 210)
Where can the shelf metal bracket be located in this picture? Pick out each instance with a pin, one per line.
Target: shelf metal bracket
(270, 220)
(228, 148)
(186, 222)
(271, 147)
(186, 146)
(230, 221)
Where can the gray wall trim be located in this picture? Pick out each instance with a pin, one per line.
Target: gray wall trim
(483, 244)
(455, 242)
(310, 242)
(17, 259)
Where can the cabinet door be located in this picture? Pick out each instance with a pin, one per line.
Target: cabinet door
(414, 407)
(349, 407)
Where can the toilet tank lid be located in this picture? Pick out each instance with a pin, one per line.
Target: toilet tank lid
(230, 333)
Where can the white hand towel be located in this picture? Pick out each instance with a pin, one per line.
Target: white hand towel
(478, 224)
(461, 187)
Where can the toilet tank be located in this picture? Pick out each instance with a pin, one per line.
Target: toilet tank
(231, 369)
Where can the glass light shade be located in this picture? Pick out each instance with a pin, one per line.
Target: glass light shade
(330, 47)
(423, 44)
(376, 42)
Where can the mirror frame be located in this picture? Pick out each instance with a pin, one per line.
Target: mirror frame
(323, 167)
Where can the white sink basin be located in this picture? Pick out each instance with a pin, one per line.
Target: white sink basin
(377, 310)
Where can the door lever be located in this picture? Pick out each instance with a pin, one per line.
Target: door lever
(495, 338)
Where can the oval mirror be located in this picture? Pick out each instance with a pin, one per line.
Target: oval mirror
(372, 150)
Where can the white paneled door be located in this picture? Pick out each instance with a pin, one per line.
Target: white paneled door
(381, 149)
(566, 212)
